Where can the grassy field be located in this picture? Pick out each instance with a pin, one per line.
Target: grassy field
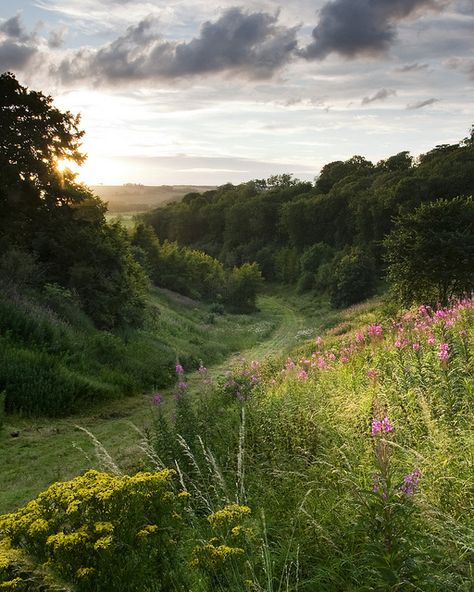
(48, 450)
(347, 435)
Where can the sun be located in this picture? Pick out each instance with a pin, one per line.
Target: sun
(63, 164)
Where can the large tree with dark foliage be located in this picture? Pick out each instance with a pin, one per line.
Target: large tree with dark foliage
(430, 252)
(47, 215)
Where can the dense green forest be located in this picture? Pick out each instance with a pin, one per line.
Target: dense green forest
(327, 236)
(331, 452)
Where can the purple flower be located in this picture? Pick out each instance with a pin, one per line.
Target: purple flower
(302, 375)
(383, 426)
(179, 369)
(182, 385)
(373, 374)
(411, 482)
(443, 353)
(374, 330)
(157, 399)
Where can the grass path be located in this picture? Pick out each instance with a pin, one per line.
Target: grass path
(49, 450)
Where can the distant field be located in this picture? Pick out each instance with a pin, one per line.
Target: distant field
(135, 198)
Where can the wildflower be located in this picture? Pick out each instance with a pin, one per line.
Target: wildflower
(398, 344)
(416, 346)
(360, 337)
(157, 399)
(179, 369)
(411, 482)
(381, 426)
(290, 364)
(443, 353)
(431, 339)
(344, 359)
(374, 330)
(373, 374)
(302, 375)
(182, 385)
(379, 486)
(318, 341)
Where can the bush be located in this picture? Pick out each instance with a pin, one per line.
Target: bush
(353, 278)
(104, 532)
(430, 253)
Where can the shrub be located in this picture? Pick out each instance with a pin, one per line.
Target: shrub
(353, 278)
(103, 532)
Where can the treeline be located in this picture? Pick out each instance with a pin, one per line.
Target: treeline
(327, 236)
(76, 325)
(194, 273)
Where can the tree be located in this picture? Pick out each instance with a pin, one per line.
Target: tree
(430, 252)
(353, 277)
(244, 283)
(60, 223)
(35, 136)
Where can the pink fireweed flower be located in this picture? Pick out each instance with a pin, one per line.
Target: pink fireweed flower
(182, 386)
(443, 353)
(254, 365)
(374, 330)
(322, 364)
(360, 337)
(416, 346)
(379, 486)
(398, 344)
(344, 359)
(179, 369)
(383, 426)
(290, 365)
(373, 374)
(431, 339)
(318, 340)
(302, 375)
(411, 482)
(157, 399)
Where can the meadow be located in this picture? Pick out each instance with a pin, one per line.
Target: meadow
(337, 455)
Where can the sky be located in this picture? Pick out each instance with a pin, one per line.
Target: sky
(197, 92)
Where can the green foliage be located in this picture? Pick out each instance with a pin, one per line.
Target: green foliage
(81, 528)
(352, 204)
(352, 279)
(430, 252)
(243, 285)
(52, 229)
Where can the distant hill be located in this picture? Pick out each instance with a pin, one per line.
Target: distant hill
(133, 197)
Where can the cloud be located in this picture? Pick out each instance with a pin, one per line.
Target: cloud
(17, 47)
(13, 29)
(380, 95)
(465, 65)
(422, 104)
(56, 38)
(416, 67)
(253, 44)
(354, 27)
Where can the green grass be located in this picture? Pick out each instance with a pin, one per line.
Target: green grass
(54, 449)
(329, 511)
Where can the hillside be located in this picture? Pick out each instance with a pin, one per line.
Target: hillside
(344, 464)
(133, 197)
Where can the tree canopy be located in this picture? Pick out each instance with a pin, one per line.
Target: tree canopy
(55, 221)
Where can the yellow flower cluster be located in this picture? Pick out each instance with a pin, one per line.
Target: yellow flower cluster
(211, 557)
(76, 526)
(228, 516)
